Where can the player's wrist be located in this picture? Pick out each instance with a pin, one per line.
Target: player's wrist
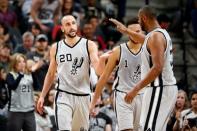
(42, 96)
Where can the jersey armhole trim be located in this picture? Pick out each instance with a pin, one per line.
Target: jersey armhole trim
(56, 51)
(120, 55)
(88, 50)
(148, 51)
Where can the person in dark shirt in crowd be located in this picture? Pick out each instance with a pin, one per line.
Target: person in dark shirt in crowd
(3, 99)
(28, 41)
(40, 57)
(21, 102)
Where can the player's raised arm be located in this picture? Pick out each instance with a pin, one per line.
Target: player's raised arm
(49, 79)
(138, 37)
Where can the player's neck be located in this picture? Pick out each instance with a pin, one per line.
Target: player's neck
(72, 41)
(152, 26)
(134, 47)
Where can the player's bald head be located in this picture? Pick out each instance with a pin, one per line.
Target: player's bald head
(148, 11)
(67, 18)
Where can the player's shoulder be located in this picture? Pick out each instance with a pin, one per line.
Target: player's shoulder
(54, 48)
(117, 48)
(91, 43)
(158, 33)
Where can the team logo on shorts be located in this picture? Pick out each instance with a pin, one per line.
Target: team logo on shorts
(76, 64)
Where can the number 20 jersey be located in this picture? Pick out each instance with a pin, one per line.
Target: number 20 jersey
(73, 67)
(167, 76)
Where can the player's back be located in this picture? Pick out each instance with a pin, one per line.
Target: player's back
(73, 70)
(167, 75)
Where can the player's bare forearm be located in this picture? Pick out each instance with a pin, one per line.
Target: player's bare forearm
(49, 79)
(50, 76)
(106, 73)
(150, 77)
(138, 37)
(99, 87)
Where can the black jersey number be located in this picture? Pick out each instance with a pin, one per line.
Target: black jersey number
(25, 88)
(67, 57)
(126, 64)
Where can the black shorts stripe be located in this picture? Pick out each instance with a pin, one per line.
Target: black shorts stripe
(150, 108)
(151, 64)
(158, 103)
(156, 112)
(56, 109)
(115, 108)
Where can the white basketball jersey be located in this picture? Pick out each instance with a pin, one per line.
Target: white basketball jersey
(73, 70)
(129, 69)
(167, 76)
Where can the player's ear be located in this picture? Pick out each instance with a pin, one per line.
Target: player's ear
(62, 29)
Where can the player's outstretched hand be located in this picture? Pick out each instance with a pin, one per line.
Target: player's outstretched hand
(40, 104)
(120, 27)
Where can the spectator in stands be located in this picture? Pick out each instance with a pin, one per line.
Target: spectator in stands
(96, 24)
(28, 41)
(108, 109)
(49, 108)
(42, 121)
(88, 32)
(5, 53)
(45, 13)
(4, 35)
(93, 9)
(68, 9)
(26, 8)
(113, 36)
(188, 118)
(21, 102)
(7, 15)
(181, 104)
(164, 21)
(41, 58)
(35, 30)
(3, 99)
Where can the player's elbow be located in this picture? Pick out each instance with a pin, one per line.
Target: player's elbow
(158, 68)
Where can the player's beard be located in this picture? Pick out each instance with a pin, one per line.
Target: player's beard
(71, 35)
(142, 24)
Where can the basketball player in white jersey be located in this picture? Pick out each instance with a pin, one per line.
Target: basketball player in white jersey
(127, 59)
(157, 74)
(71, 59)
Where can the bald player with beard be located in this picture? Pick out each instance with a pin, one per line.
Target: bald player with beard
(71, 58)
